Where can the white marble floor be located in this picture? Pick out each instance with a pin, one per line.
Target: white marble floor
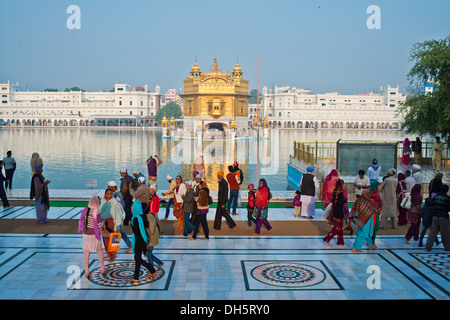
(244, 268)
(37, 266)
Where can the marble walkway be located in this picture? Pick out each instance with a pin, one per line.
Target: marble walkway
(238, 268)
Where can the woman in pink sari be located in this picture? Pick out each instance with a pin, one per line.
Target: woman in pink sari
(328, 186)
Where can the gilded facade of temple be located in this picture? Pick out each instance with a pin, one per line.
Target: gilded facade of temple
(215, 97)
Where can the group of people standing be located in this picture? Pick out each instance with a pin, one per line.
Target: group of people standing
(191, 201)
(135, 202)
(38, 188)
(400, 203)
(416, 146)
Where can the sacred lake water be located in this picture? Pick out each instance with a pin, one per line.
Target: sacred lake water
(71, 155)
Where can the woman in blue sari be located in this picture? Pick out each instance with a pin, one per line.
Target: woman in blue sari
(139, 242)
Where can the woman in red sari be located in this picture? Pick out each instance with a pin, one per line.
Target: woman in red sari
(401, 191)
(328, 186)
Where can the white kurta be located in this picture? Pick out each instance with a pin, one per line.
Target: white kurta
(309, 202)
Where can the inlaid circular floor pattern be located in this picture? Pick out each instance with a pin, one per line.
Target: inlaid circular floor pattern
(118, 274)
(288, 275)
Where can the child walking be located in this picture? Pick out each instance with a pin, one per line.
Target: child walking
(297, 203)
(251, 203)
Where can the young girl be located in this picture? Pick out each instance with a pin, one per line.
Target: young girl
(297, 203)
(251, 203)
(338, 200)
(89, 225)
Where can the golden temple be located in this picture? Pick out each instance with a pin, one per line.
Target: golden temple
(215, 96)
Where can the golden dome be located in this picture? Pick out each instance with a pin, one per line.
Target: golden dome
(215, 71)
(237, 68)
(195, 67)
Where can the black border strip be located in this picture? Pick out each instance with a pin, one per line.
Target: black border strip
(421, 273)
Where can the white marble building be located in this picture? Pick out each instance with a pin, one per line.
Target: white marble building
(290, 107)
(123, 107)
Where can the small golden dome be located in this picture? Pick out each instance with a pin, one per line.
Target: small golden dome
(237, 68)
(195, 68)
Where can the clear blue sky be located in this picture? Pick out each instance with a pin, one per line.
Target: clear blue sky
(322, 45)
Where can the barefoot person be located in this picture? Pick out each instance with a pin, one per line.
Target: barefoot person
(222, 200)
(39, 191)
(308, 187)
(139, 242)
(3, 197)
(89, 225)
(364, 214)
(338, 214)
(202, 211)
(262, 207)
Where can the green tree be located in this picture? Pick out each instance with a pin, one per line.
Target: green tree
(51, 90)
(74, 89)
(429, 113)
(169, 109)
(254, 94)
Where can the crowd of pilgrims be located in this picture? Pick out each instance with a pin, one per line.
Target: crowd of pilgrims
(396, 200)
(136, 202)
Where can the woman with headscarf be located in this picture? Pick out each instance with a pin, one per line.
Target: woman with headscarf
(89, 225)
(413, 214)
(39, 191)
(35, 160)
(308, 186)
(406, 153)
(111, 208)
(139, 242)
(108, 227)
(389, 198)
(364, 214)
(374, 195)
(179, 191)
(401, 193)
(435, 184)
(328, 186)
(337, 214)
(262, 207)
(416, 146)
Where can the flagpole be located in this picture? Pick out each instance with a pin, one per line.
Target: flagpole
(257, 93)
